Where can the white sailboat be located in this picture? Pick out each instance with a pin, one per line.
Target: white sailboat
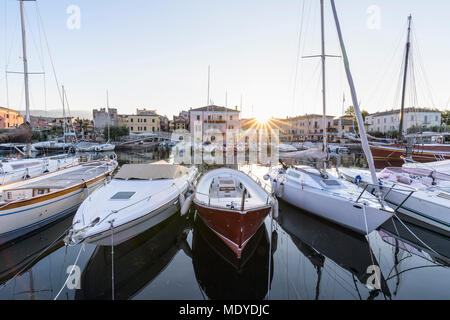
(30, 204)
(20, 169)
(322, 194)
(136, 199)
(419, 198)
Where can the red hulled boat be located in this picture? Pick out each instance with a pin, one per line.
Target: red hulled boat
(232, 205)
(424, 147)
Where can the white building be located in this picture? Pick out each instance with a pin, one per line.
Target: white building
(390, 120)
(214, 117)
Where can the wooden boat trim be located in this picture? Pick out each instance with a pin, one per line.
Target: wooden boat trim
(52, 195)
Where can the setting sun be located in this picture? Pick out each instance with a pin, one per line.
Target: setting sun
(262, 119)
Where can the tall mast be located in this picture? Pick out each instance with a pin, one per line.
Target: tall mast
(323, 57)
(107, 109)
(405, 76)
(362, 129)
(64, 114)
(25, 63)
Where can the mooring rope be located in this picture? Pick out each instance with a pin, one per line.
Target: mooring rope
(404, 225)
(38, 256)
(112, 259)
(70, 273)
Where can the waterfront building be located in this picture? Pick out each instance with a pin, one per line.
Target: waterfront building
(103, 117)
(10, 118)
(214, 117)
(413, 117)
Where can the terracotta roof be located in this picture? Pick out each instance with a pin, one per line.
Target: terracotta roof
(214, 108)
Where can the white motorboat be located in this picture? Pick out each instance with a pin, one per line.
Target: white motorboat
(104, 147)
(52, 146)
(19, 169)
(283, 147)
(328, 197)
(135, 200)
(85, 146)
(27, 205)
(420, 200)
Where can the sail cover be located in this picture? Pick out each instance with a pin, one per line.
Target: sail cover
(313, 154)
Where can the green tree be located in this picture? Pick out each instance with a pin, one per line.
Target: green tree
(445, 117)
(115, 132)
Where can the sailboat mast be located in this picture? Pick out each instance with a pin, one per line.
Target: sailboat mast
(323, 57)
(107, 109)
(25, 63)
(64, 113)
(362, 129)
(405, 77)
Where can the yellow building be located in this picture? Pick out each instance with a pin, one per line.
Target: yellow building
(10, 118)
(143, 123)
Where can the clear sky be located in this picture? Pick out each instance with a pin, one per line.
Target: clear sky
(155, 54)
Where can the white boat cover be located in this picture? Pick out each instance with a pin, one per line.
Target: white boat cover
(151, 171)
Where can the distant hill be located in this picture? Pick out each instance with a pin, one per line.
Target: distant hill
(57, 113)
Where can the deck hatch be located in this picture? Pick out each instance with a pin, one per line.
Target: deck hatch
(123, 195)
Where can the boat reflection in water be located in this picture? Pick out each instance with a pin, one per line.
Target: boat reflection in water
(319, 240)
(136, 262)
(21, 254)
(221, 275)
(434, 245)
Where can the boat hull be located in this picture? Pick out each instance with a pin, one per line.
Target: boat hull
(135, 227)
(20, 218)
(418, 210)
(395, 152)
(358, 217)
(234, 227)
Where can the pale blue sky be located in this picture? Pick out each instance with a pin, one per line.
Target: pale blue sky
(155, 53)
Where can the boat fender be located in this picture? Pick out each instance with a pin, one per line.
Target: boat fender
(280, 190)
(186, 205)
(85, 191)
(358, 179)
(275, 208)
(181, 199)
(274, 186)
(266, 177)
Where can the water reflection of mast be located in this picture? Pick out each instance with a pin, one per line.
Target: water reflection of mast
(318, 240)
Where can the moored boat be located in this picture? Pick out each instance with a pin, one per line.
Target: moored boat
(233, 205)
(137, 199)
(27, 205)
(328, 197)
(20, 169)
(419, 202)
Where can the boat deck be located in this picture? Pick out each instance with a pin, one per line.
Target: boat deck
(65, 178)
(228, 192)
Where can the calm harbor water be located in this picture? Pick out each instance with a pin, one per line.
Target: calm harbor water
(298, 256)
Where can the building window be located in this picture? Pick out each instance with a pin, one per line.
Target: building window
(131, 120)
(145, 120)
(231, 117)
(145, 128)
(198, 117)
(153, 129)
(153, 120)
(425, 118)
(131, 128)
(412, 118)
